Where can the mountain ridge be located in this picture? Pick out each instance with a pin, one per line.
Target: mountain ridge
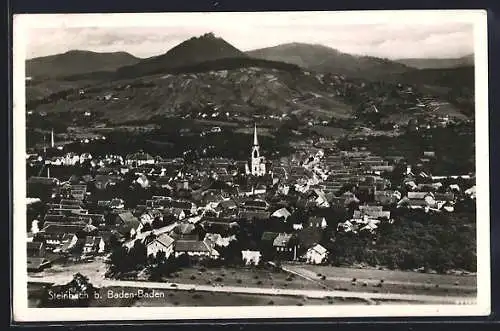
(438, 63)
(76, 62)
(322, 58)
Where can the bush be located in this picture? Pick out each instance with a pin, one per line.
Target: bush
(239, 281)
(197, 296)
(323, 277)
(271, 302)
(256, 277)
(319, 275)
(289, 279)
(219, 279)
(259, 282)
(193, 277)
(203, 269)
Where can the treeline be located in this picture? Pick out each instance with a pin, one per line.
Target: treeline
(439, 242)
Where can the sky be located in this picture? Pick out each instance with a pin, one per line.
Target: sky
(393, 35)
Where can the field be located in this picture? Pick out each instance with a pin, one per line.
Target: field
(386, 281)
(251, 277)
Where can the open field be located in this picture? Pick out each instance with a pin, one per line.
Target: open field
(386, 281)
(252, 277)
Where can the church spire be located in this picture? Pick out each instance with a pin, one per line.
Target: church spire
(255, 141)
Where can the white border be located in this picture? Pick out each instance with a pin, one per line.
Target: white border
(21, 312)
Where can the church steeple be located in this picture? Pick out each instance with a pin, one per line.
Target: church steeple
(255, 140)
(258, 167)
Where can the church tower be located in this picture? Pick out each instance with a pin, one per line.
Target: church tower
(258, 166)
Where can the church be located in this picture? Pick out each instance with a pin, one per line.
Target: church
(257, 162)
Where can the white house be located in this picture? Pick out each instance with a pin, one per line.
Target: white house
(155, 244)
(251, 257)
(316, 254)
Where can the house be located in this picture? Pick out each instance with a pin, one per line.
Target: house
(373, 214)
(418, 200)
(150, 216)
(68, 242)
(251, 257)
(93, 245)
(387, 197)
(286, 246)
(128, 224)
(256, 204)
(316, 254)
(178, 213)
(281, 213)
(317, 222)
(216, 239)
(319, 198)
(254, 215)
(194, 248)
(188, 207)
(219, 225)
(55, 235)
(159, 243)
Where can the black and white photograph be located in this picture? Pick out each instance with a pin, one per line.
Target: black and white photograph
(250, 165)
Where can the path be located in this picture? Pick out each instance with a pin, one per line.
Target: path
(101, 282)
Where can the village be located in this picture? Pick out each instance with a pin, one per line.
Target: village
(141, 211)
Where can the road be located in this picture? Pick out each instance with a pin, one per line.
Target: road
(369, 297)
(312, 276)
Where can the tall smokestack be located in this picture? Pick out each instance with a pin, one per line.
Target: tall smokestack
(52, 138)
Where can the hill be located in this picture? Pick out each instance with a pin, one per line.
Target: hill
(458, 78)
(207, 47)
(239, 89)
(76, 62)
(325, 59)
(464, 61)
(455, 85)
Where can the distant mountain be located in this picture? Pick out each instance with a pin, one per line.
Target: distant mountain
(325, 59)
(195, 50)
(455, 78)
(76, 62)
(439, 63)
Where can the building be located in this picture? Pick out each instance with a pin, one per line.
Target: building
(251, 257)
(161, 243)
(316, 254)
(93, 245)
(257, 162)
(193, 248)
